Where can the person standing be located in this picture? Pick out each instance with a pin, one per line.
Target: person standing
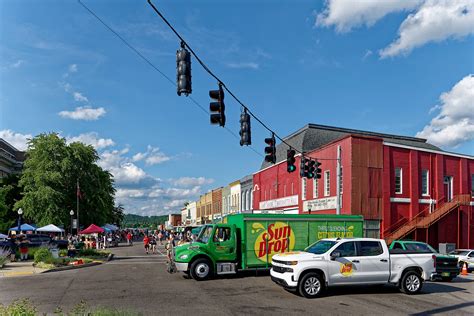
(153, 244)
(146, 243)
(23, 249)
(129, 239)
(13, 245)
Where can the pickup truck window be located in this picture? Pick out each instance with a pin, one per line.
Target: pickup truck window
(370, 248)
(320, 247)
(347, 249)
(205, 234)
(397, 245)
(419, 247)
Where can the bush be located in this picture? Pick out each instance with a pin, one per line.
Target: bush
(21, 307)
(43, 255)
(92, 253)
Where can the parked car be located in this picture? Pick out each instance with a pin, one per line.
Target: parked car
(464, 256)
(446, 266)
(350, 261)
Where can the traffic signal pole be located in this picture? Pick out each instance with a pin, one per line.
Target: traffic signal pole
(338, 183)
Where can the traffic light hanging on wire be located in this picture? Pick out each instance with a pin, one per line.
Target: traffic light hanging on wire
(245, 134)
(217, 108)
(290, 160)
(183, 68)
(302, 167)
(270, 150)
(310, 169)
(317, 170)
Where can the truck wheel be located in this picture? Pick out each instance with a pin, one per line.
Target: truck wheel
(311, 285)
(411, 283)
(201, 269)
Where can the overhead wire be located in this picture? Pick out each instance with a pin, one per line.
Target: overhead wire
(207, 69)
(194, 101)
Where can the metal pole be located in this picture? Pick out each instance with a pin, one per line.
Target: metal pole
(77, 205)
(338, 181)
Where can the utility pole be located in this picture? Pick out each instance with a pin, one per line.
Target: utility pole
(338, 183)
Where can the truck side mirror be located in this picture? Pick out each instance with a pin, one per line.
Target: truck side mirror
(335, 255)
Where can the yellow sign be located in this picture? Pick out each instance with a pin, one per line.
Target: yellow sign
(277, 238)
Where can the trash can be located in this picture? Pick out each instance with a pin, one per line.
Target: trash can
(55, 253)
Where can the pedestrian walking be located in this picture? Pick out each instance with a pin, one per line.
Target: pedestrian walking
(170, 246)
(146, 243)
(160, 237)
(153, 244)
(13, 245)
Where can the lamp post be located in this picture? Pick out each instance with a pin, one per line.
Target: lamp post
(72, 215)
(20, 212)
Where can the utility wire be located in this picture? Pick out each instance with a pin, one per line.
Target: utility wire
(183, 42)
(156, 68)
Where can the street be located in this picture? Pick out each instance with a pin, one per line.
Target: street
(138, 282)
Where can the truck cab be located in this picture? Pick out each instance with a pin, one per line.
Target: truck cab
(213, 252)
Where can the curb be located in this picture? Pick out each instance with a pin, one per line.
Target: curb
(85, 265)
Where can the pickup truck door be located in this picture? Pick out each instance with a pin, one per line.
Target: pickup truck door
(222, 244)
(374, 261)
(345, 269)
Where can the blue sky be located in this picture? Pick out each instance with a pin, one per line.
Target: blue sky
(402, 67)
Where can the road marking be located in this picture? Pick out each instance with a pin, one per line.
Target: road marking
(10, 274)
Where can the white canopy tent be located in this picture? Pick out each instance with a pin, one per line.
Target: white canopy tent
(50, 229)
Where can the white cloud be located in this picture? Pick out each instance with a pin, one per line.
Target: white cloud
(86, 113)
(93, 139)
(73, 68)
(17, 140)
(454, 125)
(347, 14)
(152, 156)
(17, 64)
(241, 65)
(367, 54)
(435, 21)
(79, 97)
(190, 181)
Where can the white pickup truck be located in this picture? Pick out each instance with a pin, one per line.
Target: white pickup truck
(347, 261)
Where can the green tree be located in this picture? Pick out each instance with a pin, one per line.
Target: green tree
(117, 215)
(52, 171)
(10, 193)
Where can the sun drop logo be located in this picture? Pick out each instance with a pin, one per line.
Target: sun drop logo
(278, 238)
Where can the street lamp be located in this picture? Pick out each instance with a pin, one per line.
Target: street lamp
(20, 212)
(72, 214)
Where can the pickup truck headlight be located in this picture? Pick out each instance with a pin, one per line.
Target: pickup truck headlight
(292, 263)
(183, 257)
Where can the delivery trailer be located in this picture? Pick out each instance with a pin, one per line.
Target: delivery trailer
(249, 241)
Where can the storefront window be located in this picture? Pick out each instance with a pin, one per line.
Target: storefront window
(398, 180)
(424, 182)
(327, 188)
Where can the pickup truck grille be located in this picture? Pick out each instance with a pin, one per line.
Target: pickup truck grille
(280, 262)
(281, 269)
(446, 264)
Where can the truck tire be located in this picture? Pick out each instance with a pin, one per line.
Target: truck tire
(201, 269)
(411, 283)
(311, 285)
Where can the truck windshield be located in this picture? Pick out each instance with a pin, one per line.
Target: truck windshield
(205, 234)
(320, 247)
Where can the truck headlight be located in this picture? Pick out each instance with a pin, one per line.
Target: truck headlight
(183, 257)
(292, 263)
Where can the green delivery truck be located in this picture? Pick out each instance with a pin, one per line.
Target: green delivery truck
(249, 241)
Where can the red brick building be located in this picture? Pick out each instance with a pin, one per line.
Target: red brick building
(403, 186)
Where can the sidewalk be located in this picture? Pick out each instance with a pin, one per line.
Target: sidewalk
(12, 269)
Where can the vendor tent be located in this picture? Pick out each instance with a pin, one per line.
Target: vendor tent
(24, 228)
(111, 227)
(50, 229)
(92, 229)
(107, 230)
(2, 236)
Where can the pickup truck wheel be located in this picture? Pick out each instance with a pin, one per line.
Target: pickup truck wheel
(201, 269)
(311, 285)
(411, 283)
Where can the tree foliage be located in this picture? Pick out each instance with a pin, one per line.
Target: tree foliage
(52, 171)
(10, 193)
(138, 221)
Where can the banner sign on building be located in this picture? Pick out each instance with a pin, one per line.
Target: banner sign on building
(279, 203)
(320, 204)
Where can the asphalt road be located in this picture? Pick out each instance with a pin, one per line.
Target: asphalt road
(138, 282)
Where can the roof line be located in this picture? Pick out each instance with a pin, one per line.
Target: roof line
(356, 131)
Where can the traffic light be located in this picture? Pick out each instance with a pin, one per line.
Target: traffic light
(183, 67)
(310, 169)
(245, 136)
(270, 150)
(317, 170)
(217, 108)
(290, 160)
(302, 167)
